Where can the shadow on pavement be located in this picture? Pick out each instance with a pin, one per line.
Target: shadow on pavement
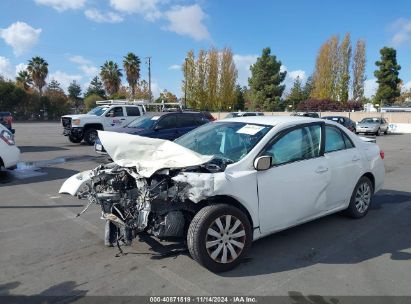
(27, 149)
(52, 173)
(335, 239)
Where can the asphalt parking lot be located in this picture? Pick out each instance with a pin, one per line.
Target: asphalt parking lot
(46, 250)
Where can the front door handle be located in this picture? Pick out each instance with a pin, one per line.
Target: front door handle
(123, 119)
(321, 169)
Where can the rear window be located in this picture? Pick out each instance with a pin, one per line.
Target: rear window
(186, 120)
(133, 111)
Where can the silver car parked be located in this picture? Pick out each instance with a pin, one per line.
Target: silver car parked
(373, 125)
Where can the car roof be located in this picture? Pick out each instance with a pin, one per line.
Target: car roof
(170, 113)
(273, 120)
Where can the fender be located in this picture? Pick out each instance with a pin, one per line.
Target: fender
(74, 183)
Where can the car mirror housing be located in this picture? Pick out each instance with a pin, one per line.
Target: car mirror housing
(262, 163)
(157, 128)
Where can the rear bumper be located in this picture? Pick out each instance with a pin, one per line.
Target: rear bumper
(11, 157)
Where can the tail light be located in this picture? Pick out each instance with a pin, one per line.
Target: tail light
(7, 137)
(382, 154)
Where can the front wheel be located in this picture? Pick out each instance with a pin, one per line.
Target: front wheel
(219, 236)
(75, 139)
(360, 198)
(378, 133)
(90, 136)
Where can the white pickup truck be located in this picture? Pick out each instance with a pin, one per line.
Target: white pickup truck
(105, 117)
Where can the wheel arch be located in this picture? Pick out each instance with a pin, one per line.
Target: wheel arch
(96, 126)
(226, 199)
(371, 177)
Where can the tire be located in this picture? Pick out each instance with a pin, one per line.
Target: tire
(228, 251)
(378, 133)
(90, 136)
(386, 132)
(361, 198)
(75, 140)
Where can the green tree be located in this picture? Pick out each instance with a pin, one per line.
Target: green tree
(265, 81)
(344, 59)
(387, 76)
(96, 88)
(90, 101)
(296, 94)
(239, 104)
(74, 92)
(166, 96)
(228, 79)
(55, 101)
(131, 64)
(358, 71)
(54, 87)
(190, 80)
(24, 80)
(212, 78)
(111, 75)
(38, 70)
(308, 87)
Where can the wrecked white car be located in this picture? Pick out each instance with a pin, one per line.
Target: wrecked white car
(230, 182)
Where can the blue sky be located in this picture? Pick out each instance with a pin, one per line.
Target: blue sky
(77, 36)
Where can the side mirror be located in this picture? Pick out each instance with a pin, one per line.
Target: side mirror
(110, 114)
(262, 163)
(157, 128)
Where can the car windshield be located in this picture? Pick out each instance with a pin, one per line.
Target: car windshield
(145, 122)
(98, 111)
(370, 120)
(230, 141)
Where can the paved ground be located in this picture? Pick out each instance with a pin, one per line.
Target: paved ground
(46, 250)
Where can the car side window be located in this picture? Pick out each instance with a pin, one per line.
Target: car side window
(186, 121)
(167, 122)
(348, 142)
(334, 140)
(132, 111)
(115, 112)
(295, 145)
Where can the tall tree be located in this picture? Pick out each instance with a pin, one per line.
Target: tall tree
(265, 81)
(131, 64)
(111, 75)
(358, 71)
(201, 83)
(228, 79)
(38, 70)
(54, 87)
(387, 76)
(213, 77)
(239, 103)
(24, 80)
(344, 54)
(95, 87)
(74, 91)
(326, 71)
(308, 87)
(142, 90)
(189, 72)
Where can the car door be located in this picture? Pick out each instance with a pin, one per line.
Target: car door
(294, 189)
(166, 127)
(344, 164)
(186, 123)
(115, 118)
(132, 113)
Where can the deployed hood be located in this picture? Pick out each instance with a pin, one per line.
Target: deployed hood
(148, 155)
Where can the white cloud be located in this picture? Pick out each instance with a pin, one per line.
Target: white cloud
(97, 16)
(243, 63)
(406, 86)
(187, 21)
(402, 31)
(291, 77)
(62, 5)
(20, 67)
(370, 87)
(155, 88)
(20, 36)
(85, 65)
(64, 79)
(174, 67)
(89, 70)
(297, 73)
(79, 60)
(147, 8)
(5, 68)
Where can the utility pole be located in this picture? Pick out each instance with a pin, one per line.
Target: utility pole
(149, 77)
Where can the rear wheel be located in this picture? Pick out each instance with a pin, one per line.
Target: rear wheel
(219, 236)
(378, 133)
(90, 136)
(360, 198)
(386, 132)
(75, 139)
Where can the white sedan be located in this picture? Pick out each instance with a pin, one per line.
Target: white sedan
(9, 153)
(230, 182)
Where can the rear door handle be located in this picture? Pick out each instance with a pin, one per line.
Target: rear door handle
(123, 119)
(321, 170)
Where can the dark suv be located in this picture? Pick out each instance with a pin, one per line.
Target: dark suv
(163, 125)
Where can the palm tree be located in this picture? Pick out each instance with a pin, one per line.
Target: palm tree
(23, 79)
(131, 64)
(38, 70)
(111, 76)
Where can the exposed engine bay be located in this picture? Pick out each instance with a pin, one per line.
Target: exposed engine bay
(162, 205)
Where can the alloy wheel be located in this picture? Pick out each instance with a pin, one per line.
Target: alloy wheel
(363, 197)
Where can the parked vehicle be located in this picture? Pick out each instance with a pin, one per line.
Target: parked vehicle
(373, 125)
(107, 116)
(243, 114)
(164, 125)
(306, 114)
(9, 153)
(6, 119)
(203, 186)
(345, 121)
